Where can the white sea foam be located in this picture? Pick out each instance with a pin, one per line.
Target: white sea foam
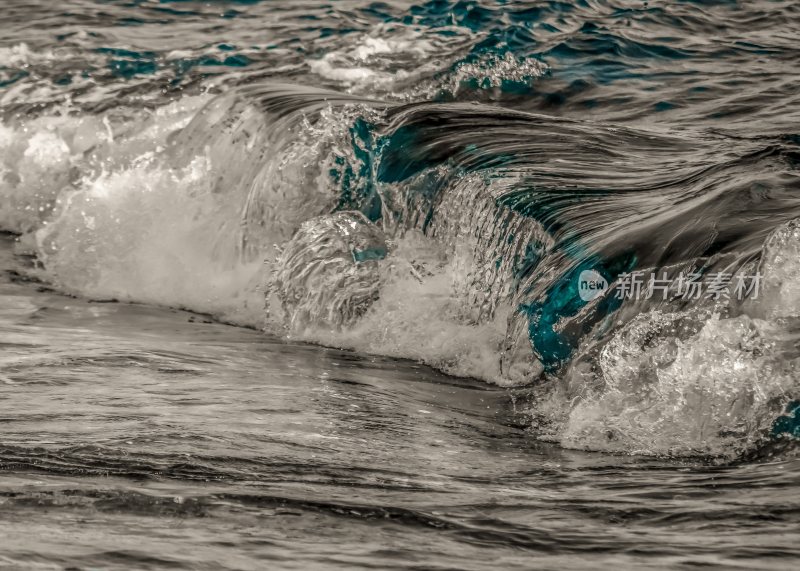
(693, 382)
(491, 71)
(146, 233)
(35, 165)
(380, 60)
(124, 219)
(21, 55)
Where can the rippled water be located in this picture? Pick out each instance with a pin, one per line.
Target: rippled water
(136, 437)
(200, 197)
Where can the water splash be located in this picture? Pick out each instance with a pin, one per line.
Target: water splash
(704, 381)
(327, 274)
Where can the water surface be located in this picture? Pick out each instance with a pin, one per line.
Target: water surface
(295, 284)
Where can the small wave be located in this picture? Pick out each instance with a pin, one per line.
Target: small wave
(449, 233)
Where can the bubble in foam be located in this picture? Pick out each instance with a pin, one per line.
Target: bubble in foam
(36, 164)
(690, 383)
(145, 233)
(21, 55)
(780, 274)
(327, 274)
(142, 223)
(716, 393)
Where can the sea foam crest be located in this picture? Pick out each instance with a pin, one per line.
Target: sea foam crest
(694, 382)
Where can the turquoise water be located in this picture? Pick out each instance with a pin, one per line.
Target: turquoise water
(297, 284)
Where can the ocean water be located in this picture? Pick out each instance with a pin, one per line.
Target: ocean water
(343, 284)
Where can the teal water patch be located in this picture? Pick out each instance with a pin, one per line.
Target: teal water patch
(123, 53)
(664, 106)
(174, 12)
(126, 64)
(354, 176)
(401, 159)
(788, 424)
(369, 255)
(131, 22)
(552, 341)
(11, 78)
(183, 66)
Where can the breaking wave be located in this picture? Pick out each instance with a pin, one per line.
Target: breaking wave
(407, 214)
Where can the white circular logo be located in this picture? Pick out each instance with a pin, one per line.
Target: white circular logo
(591, 285)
